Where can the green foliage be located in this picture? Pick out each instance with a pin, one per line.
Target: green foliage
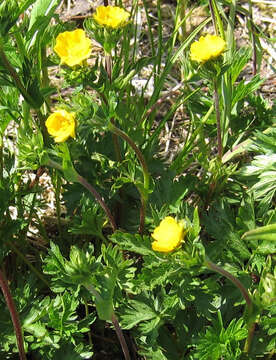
(77, 218)
(217, 342)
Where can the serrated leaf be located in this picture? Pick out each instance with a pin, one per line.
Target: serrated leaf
(133, 242)
(37, 329)
(137, 312)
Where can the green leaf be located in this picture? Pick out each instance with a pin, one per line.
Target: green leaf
(267, 247)
(267, 232)
(42, 8)
(246, 215)
(69, 171)
(218, 343)
(38, 330)
(240, 59)
(242, 90)
(133, 242)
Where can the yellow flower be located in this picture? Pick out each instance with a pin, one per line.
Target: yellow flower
(73, 47)
(61, 124)
(207, 48)
(168, 235)
(111, 16)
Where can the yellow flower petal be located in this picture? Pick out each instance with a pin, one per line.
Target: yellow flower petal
(168, 235)
(73, 47)
(207, 48)
(61, 125)
(111, 16)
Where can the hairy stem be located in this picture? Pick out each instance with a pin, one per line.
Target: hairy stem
(213, 17)
(253, 37)
(86, 314)
(121, 337)
(234, 280)
(28, 263)
(249, 338)
(108, 68)
(57, 191)
(144, 193)
(114, 320)
(100, 200)
(91, 189)
(1, 159)
(246, 296)
(15, 76)
(14, 316)
(216, 100)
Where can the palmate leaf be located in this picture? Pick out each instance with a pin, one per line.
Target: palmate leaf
(134, 243)
(150, 312)
(122, 269)
(155, 274)
(137, 312)
(218, 343)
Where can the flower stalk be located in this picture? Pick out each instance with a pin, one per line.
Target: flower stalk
(100, 200)
(216, 100)
(14, 316)
(120, 336)
(246, 296)
(144, 192)
(249, 338)
(210, 265)
(15, 77)
(91, 189)
(114, 320)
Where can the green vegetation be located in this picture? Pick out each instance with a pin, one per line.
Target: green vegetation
(141, 123)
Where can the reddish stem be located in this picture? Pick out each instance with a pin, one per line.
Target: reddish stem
(14, 316)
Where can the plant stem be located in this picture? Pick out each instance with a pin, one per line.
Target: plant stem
(116, 144)
(57, 184)
(86, 314)
(114, 320)
(234, 280)
(216, 100)
(216, 19)
(144, 193)
(100, 200)
(15, 76)
(142, 213)
(1, 159)
(91, 189)
(28, 263)
(244, 292)
(108, 68)
(253, 37)
(213, 17)
(249, 338)
(120, 337)
(14, 316)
